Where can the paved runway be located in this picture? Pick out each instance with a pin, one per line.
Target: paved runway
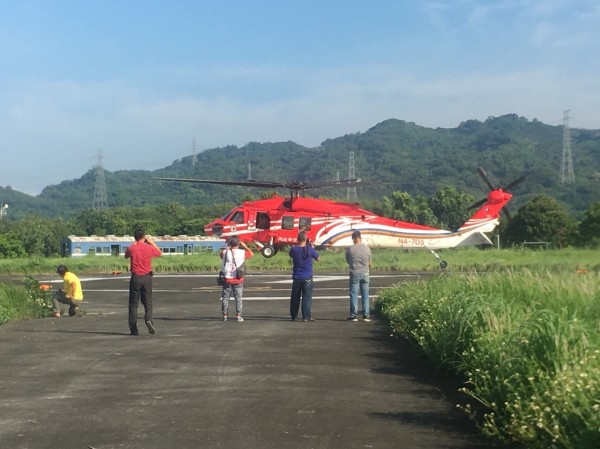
(76, 383)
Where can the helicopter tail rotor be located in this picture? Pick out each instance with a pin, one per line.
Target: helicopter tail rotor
(492, 188)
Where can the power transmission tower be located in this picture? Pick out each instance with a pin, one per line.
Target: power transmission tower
(351, 194)
(100, 200)
(567, 175)
(194, 155)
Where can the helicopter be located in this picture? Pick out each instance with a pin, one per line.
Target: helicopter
(274, 223)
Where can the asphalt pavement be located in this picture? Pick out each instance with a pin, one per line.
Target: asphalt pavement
(80, 383)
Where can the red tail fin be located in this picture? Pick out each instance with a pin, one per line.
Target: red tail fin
(490, 210)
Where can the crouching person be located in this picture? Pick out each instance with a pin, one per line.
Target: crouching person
(72, 294)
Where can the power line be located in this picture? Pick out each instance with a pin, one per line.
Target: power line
(100, 199)
(567, 175)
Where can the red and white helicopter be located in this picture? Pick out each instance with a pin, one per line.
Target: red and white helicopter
(275, 222)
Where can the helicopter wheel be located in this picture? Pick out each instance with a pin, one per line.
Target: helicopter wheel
(268, 251)
(443, 264)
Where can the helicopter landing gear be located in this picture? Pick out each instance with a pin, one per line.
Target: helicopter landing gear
(268, 251)
(443, 263)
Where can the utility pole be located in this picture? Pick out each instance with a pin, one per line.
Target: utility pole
(249, 171)
(100, 200)
(194, 155)
(567, 175)
(351, 194)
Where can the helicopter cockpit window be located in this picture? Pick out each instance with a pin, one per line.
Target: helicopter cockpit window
(287, 223)
(304, 223)
(263, 221)
(238, 217)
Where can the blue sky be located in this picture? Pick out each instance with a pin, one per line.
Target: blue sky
(140, 79)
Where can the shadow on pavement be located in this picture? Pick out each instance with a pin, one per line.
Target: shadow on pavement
(67, 331)
(396, 356)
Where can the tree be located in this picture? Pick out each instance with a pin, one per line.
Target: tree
(90, 222)
(40, 236)
(589, 228)
(414, 209)
(10, 247)
(450, 207)
(542, 219)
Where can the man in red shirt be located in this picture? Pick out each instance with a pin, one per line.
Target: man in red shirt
(140, 285)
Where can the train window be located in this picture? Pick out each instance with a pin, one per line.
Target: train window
(172, 250)
(165, 250)
(98, 250)
(180, 249)
(304, 223)
(287, 223)
(238, 217)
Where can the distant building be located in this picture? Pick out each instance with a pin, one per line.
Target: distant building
(111, 245)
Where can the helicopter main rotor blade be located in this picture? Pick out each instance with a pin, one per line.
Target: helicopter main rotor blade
(477, 204)
(485, 178)
(268, 185)
(293, 185)
(514, 183)
(341, 183)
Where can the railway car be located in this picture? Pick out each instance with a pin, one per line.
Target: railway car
(111, 245)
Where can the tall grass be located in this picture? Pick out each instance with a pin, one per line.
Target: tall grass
(24, 301)
(383, 260)
(526, 344)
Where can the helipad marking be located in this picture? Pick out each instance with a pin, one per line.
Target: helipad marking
(280, 298)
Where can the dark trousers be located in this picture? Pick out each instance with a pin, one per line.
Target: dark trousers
(59, 297)
(140, 287)
(301, 290)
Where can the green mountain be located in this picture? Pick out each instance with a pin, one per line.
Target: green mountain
(393, 155)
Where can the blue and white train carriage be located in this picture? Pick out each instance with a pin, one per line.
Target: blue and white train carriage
(111, 245)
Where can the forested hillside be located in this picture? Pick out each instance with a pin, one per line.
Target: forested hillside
(393, 155)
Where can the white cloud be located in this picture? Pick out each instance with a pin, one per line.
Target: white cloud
(54, 130)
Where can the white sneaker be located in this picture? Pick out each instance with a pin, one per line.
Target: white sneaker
(239, 318)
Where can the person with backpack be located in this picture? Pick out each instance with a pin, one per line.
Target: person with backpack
(233, 269)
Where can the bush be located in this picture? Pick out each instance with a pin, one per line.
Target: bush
(24, 301)
(525, 344)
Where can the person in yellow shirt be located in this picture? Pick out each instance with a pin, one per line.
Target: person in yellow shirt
(71, 295)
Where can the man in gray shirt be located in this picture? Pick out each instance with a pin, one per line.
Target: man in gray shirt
(358, 257)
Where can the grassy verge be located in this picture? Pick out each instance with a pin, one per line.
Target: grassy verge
(383, 260)
(525, 343)
(23, 301)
